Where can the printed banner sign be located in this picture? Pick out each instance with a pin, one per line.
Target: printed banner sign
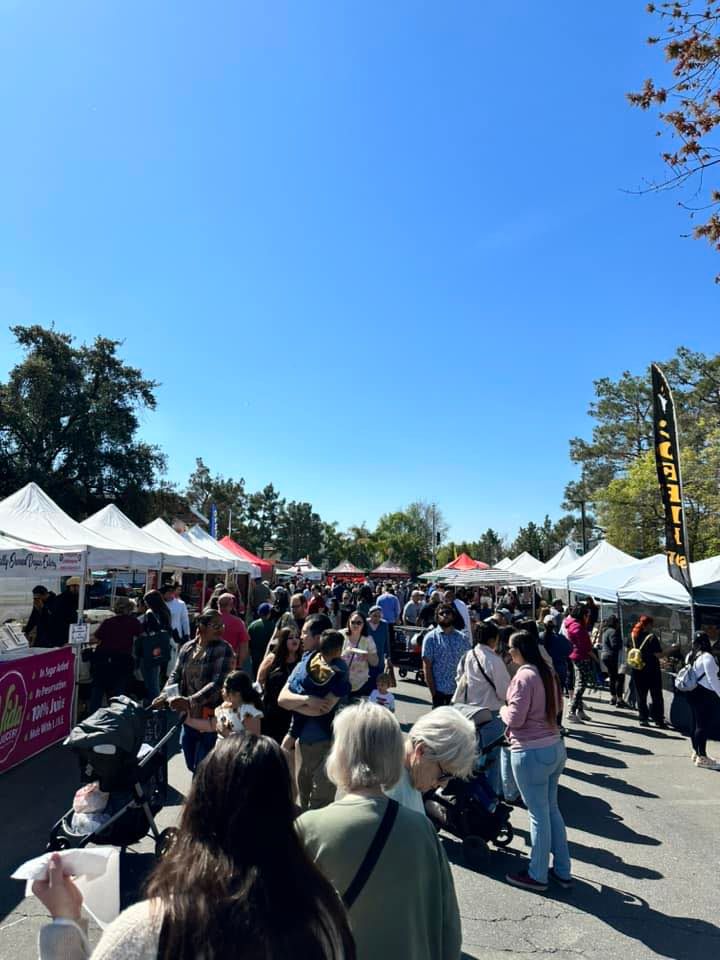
(667, 460)
(35, 562)
(36, 695)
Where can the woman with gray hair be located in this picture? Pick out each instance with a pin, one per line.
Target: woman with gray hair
(385, 860)
(440, 746)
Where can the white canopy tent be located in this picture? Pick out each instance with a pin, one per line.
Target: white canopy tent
(526, 565)
(201, 538)
(605, 585)
(305, 568)
(21, 559)
(481, 578)
(660, 588)
(112, 523)
(174, 543)
(503, 564)
(30, 515)
(567, 555)
(601, 558)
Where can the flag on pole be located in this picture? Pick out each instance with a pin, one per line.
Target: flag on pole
(213, 521)
(667, 461)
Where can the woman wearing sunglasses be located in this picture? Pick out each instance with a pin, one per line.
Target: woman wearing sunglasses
(359, 652)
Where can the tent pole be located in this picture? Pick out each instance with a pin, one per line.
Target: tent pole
(76, 648)
(113, 589)
(202, 595)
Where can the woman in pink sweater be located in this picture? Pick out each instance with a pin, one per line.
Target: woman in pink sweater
(538, 757)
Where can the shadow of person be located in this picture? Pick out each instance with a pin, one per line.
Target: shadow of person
(598, 779)
(609, 742)
(675, 937)
(591, 756)
(595, 815)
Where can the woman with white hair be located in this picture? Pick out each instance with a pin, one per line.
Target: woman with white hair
(440, 746)
(385, 860)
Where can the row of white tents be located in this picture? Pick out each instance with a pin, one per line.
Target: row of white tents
(607, 573)
(33, 528)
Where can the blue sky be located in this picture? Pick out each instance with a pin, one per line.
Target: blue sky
(373, 252)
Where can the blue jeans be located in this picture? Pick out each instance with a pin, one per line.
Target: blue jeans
(537, 773)
(195, 746)
(151, 679)
(509, 788)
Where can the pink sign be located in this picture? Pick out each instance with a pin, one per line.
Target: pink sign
(36, 695)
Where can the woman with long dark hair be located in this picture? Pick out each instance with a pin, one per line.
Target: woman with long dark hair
(581, 656)
(647, 678)
(272, 676)
(152, 647)
(703, 699)
(215, 893)
(538, 757)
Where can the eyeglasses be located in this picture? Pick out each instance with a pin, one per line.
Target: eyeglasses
(444, 777)
(356, 623)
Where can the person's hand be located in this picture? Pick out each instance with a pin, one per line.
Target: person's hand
(58, 892)
(320, 705)
(159, 702)
(180, 704)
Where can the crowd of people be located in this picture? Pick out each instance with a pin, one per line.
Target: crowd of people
(294, 718)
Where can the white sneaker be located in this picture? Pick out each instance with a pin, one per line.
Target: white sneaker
(693, 756)
(707, 763)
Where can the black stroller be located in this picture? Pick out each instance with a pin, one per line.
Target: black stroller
(406, 651)
(470, 809)
(124, 748)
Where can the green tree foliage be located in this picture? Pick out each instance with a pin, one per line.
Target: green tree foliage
(265, 513)
(360, 547)
(617, 467)
(688, 104)
(229, 496)
(299, 532)
(405, 536)
(69, 421)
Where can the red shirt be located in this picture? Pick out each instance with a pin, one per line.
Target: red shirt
(235, 633)
(316, 605)
(116, 634)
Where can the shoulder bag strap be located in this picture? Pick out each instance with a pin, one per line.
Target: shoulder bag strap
(372, 856)
(480, 668)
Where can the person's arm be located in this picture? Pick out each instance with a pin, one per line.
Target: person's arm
(708, 666)
(252, 724)
(373, 658)
(427, 652)
(514, 713)
(264, 669)
(304, 704)
(184, 622)
(208, 725)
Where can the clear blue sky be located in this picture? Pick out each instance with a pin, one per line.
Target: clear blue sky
(374, 252)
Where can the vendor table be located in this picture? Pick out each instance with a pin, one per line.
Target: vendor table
(36, 700)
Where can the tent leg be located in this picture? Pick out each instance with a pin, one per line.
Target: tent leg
(113, 589)
(202, 597)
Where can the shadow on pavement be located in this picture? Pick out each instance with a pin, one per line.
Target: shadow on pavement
(405, 698)
(591, 756)
(601, 858)
(609, 783)
(594, 815)
(675, 937)
(610, 743)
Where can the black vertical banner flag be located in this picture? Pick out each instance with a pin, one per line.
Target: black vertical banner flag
(667, 460)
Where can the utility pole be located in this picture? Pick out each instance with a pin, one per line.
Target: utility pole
(581, 504)
(434, 538)
(230, 522)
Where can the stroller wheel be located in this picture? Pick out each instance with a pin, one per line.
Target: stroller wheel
(165, 841)
(476, 852)
(403, 673)
(504, 837)
(57, 843)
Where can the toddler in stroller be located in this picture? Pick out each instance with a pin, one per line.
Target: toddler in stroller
(470, 809)
(122, 752)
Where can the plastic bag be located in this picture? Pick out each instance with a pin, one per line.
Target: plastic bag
(90, 799)
(84, 823)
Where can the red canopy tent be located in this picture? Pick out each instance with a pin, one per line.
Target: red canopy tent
(464, 562)
(346, 571)
(266, 568)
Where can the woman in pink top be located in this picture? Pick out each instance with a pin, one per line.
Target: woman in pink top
(538, 757)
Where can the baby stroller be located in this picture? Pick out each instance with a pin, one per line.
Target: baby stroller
(123, 749)
(406, 651)
(470, 809)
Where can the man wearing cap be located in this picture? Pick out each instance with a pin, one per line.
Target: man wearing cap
(40, 620)
(260, 632)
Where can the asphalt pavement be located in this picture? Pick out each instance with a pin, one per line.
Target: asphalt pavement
(642, 824)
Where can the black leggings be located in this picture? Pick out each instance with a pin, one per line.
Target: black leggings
(703, 705)
(617, 679)
(649, 682)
